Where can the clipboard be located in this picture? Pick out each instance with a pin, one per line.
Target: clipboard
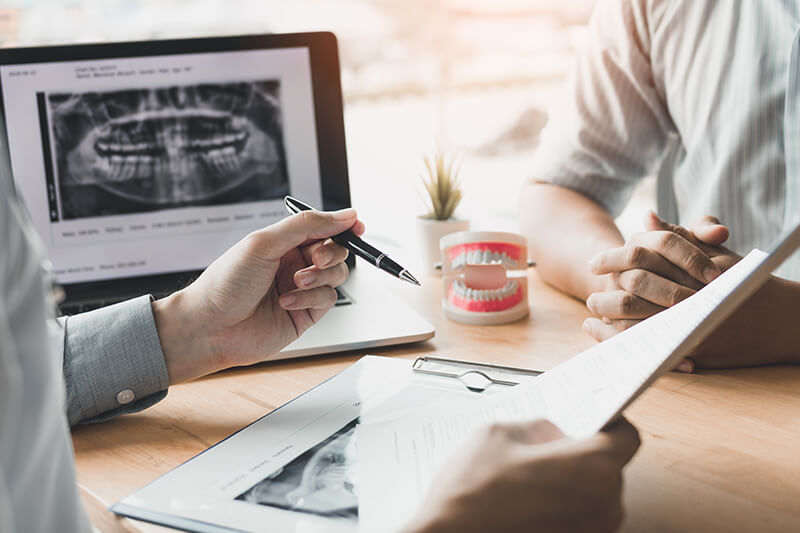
(476, 377)
(258, 479)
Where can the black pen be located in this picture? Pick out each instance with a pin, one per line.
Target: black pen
(356, 245)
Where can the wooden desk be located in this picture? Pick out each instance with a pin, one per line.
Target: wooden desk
(719, 449)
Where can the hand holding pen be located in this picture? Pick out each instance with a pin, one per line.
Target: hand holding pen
(357, 246)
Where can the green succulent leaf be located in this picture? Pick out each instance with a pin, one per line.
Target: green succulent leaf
(441, 184)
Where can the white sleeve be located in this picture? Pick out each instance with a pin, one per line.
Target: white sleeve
(38, 491)
(611, 128)
(10, 382)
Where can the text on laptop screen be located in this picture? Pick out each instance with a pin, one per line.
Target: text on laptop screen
(149, 165)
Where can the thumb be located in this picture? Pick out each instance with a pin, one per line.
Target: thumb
(709, 231)
(652, 222)
(274, 241)
(619, 440)
(536, 431)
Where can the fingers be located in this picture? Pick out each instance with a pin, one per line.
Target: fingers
(313, 276)
(329, 252)
(359, 228)
(621, 304)
(315, 288)
(276, 240)
(653, 222)
(686, 365)
(324, 254)
(532, 432)
(640, 257)
(601, 330)
(320, 298)
(619, 441)
(709, 231)
(315, 283)
(680, 252)
(652, 287)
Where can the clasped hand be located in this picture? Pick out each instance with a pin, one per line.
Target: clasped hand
(654, 270)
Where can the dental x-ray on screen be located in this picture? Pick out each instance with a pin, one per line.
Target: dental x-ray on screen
(145, 149)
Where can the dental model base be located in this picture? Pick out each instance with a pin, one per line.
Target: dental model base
(484, 276)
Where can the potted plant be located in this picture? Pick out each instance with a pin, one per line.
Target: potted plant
(442, 195)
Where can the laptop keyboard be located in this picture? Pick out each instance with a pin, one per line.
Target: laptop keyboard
(75, 308)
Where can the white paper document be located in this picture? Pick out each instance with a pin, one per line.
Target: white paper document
(398, 459)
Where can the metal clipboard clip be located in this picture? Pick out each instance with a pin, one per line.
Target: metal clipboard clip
(476, 377)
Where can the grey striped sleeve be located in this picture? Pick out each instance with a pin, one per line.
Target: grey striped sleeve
(113, 363)
(611, 129)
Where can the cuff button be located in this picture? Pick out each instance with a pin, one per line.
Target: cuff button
(125, 396)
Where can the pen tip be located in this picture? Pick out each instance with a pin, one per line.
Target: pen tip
(406, 275)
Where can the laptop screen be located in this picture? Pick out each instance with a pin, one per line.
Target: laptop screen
(134, 166)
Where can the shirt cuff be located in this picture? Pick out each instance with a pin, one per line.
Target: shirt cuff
(113, 363)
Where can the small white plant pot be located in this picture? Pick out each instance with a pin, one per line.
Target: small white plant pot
(430, 231)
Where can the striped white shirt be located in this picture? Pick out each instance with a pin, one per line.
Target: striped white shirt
(705, 94)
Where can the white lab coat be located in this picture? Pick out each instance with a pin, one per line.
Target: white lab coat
(38, 491)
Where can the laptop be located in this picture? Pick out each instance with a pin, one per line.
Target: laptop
(141, 162)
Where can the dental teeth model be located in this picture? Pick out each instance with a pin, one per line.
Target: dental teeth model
(484, 276)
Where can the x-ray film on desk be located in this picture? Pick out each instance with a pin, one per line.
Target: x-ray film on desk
(296, 468)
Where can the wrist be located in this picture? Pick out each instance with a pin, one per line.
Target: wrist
(447, 515)
(781, 300)
(427, 523)
(761, 331)
(187, 352)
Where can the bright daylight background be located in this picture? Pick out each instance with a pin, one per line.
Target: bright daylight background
(475, 77)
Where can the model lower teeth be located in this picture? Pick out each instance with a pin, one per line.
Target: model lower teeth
(483, 295)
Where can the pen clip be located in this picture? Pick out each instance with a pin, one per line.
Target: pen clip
(294, 206)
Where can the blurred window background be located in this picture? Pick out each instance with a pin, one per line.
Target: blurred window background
(473, 77)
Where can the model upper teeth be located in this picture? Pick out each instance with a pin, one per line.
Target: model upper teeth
(486, 257)
(485, 295)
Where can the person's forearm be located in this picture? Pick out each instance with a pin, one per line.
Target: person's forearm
(565, 229)
(444, 522)
(763, 330)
